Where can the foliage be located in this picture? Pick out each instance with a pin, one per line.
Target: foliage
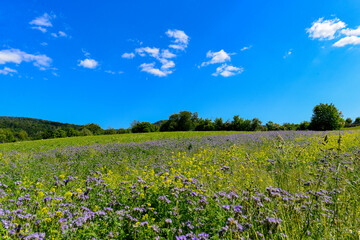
(326, 117)
(143, 127)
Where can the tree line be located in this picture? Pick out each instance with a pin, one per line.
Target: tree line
(325, 117)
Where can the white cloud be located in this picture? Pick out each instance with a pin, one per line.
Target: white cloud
(44, 44)
(43, 30)
(246, 48)
(227, 70)
(16, 56)
(351, 40)
(165, 53)
(150, 68)
(325, 29)
(43, 21)
(217, 57)
(166, 64)
(128, 55)
(351, 32)
(88, 63)
(59, 34)
(7, 71)
(181, 40)
(153, 52)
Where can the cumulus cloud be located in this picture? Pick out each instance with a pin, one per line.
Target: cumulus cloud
(165, 53)
(43, 20)
(16, 56)
(7, 71)
(351, 32)
(166, 64)
(351, 40)
(150, 68)
(181, 40)
(227, 70)
(152, 52)
(128, 55)
(217, 57)
(88, 63)
(42, 23)
(325, 29)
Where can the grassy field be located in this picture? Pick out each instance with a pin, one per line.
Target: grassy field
(352, 128)
(48, 144)
(264, 185)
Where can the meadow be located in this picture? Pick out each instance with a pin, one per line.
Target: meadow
(261, 185)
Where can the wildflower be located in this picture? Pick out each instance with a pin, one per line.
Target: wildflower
(68, 194)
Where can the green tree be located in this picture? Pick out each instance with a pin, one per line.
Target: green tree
(357, 120)
(143, 127)
(326, 117)
(256, 124)
(348, 121)
(86, 132)
(110, 131)
(59, 133)
(219, 124)
(22, 135)
(94, 128)
(6, 135)
(304, 125)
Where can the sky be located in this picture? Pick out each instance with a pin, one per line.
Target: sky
(113, 62)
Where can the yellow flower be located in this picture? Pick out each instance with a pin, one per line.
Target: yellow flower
(68, 194)
(41, 194)
(47, 220)
(62, 176)
(78, 190)
(45, 210)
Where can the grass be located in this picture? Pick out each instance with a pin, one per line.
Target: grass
(48, 144)
(352, 128)
(265, 185)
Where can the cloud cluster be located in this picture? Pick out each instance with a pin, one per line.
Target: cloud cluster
(17, 56)
(330, 29)
(227, 71)
(88, 63)
(180, 42)
(43, 23)
(217, 57)
(224, 70)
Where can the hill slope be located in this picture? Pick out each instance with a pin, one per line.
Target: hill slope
(34, 127)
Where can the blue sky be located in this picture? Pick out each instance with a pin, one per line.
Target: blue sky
(112, 62)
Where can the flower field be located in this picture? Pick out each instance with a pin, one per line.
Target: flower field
(265, 185)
